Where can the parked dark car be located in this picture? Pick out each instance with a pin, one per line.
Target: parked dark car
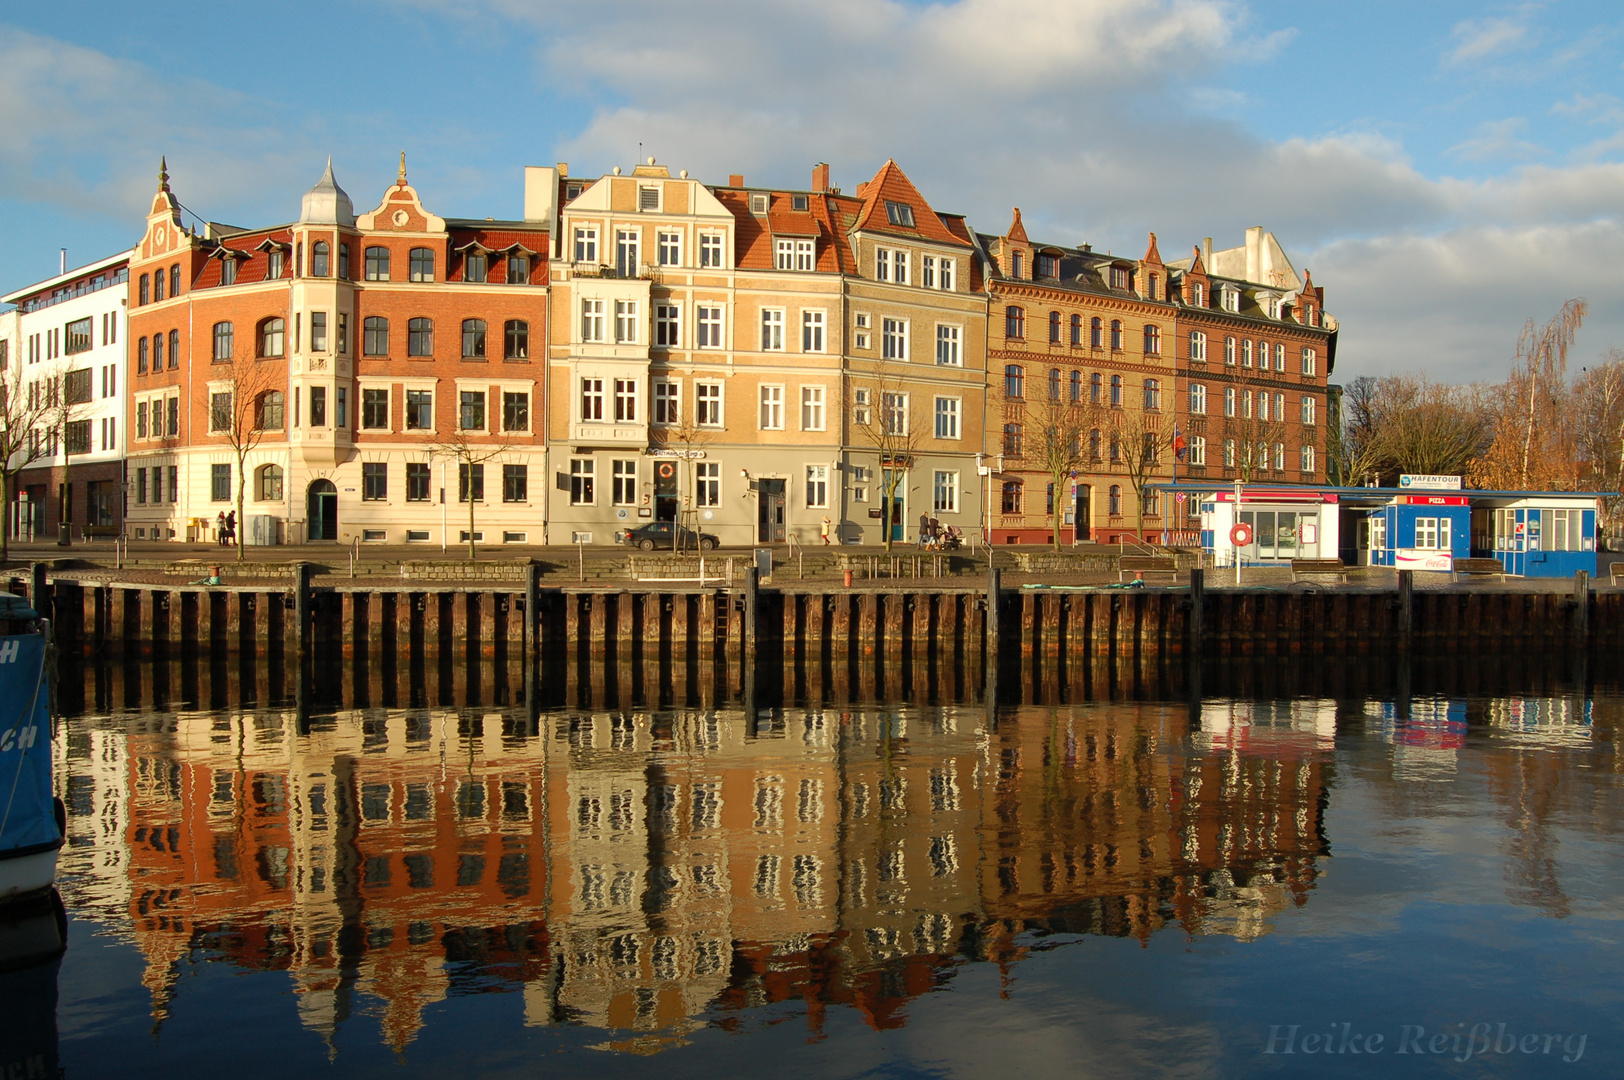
(666, 534)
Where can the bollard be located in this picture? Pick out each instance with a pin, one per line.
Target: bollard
(1406, 607)
(848, 577)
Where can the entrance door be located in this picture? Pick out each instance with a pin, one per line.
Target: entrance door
(894, 512)
(1080, 512)
(770, 512)
(323, 510)
(665, 490)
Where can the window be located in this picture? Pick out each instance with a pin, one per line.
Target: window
(1014, 440)
(947, 418)
(592, 327)
(626, 321)
(1231, 299)
(516, 411)
(627, 244)
(1014, 322)
(374, 481)
(1198, 399)
(1014, 381)
(471, 411)
(894, 412)
(1054, 327)
(158, 287)
(79, 336)
(470, 483)
(343, 262)
(772, 408)
(927, 271)
(377, 264)
(710, 250)
(667, 326)
(515, 340)
(708, 404)
(220, 412)
(1153, 394)
(591, 399)
(794, 255)
(625, 401)
(269, 414)
(420, 265)
(1113, 500)
(141, 357)
(817, 486)
(812, 408)
(581, 473)
(475, 266)
(343, 334)
(1280, 357)
(318, 331)
(945, 492)
(586, 245)
(667, 403)
(1229, 453)
(1246, 354)
(1308, 361)
(420, 410)
(318, 406)
(1096, 385)
(623, 482)
(1096, 333)
(473, 339)
(374, 409)
(220, 483)
(1279, 457)
(518, 268)
(1229, 351)
(899, 214)
(146, 290)
(1116, 335)
(668, 247)
(1116, 391)
(1229, 400)
(1121, 277)
(272, 339)
(174, 349)
(270, 483)
(1306, 458)
(1198, 346)
(420, 337)
(515, 483)
(812, 331)
(772, 329)
(710, 326)
(1017, 265)
(76, 388)
(1011, 502)
(894, 339)
(140, 419)
(319, 253)
(417, 481)
(1197, 450)
(1280, 407)
(708, 484)
(1308, 411)
(1263, 406)
(375, 336)
(1246, 404)
(1153, 339)
(174, 421)
(860, 406)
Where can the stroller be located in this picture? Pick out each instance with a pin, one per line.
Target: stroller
(949, 539)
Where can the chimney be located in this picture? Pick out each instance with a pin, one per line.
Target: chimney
(541, 194)
(735, 180)
(820, 176)
(62, 262)
(1206, 254)
(1254, 253)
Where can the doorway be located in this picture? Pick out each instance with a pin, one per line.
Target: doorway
(665, 490)
(323, 510)
(770, 512)
(896, 506)
(1082, 519)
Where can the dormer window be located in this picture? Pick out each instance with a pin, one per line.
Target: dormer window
(1232, 299)
(758, 204)
(1121, 278)
(800, 202)
(1048, 266)
(899, 214)
(228, 271)
(572, 191)
(1150, 287)
(1016, 266)
(273, 263)
(1198, 294)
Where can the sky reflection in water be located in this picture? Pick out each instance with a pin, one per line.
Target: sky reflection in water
(1102, 890)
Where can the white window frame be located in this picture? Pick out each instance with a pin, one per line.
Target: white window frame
(667, 326)
(949, 345)
(583, 469)
(882, 264)
(1309, 365)
(894, 339)
(1198, 346)
(648, 206)
(1231, 399)
(1426, 533)
(1229, 453)
(944, 492)
(708, 405)
(770, 415)
(1198, 399)
(1229, 352)
(667, 403)
(712, 321)
(946, 274)
(590, 401)
(628, 242)
(1198, 450)
(668, 246)
(1246, 352)
(708, 483)
(1279, 457)
(862, 401)
(814, 327)
(626, 401)
(623, 482)
(586, 244)
(712, 251)
(806, 255)
(1306, 458)
(813, 412)
(899, 266)
(947, 413)
(894, 413)
(783, 254)
(817, 487)
(927, 271)
(592, 319)
(1280, 356)
(772, 329)
(627, 323)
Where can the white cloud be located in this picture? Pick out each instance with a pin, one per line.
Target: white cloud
(1480, 39)
(1496, 140)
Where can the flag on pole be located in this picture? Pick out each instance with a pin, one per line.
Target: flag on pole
(1179, 445)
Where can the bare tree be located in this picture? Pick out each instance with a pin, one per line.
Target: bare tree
(243, 410)
(1143, 437)
(1598, 409)
(1254, 439)
(1543, 370)
(687, 441)
(34, 416)
(885, 416)
(471, 449)
(1056, 423)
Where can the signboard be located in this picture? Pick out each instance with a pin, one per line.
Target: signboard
(876, 512)
(1434, 500)
(1414, 559)
(1426, 480)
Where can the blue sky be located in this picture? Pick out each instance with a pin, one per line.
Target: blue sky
(1446, 170)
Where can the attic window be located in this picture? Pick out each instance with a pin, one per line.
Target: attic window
(572, 191)
(1048, 266)
(1232, 299)
(758, 204)
(799, 202)
(1120, 278)
(648, 197)
(899, 214)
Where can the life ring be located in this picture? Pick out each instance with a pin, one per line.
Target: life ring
(667, 470)
(1241, 534)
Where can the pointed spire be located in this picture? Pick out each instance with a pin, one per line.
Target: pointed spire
(1196, 265)
(163, 173)
(400, 181)
(1152, 254)
(1017, 231)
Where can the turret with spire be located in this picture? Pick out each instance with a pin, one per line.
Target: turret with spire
(326, 203)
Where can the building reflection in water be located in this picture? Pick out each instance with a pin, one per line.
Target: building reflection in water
(644, 873)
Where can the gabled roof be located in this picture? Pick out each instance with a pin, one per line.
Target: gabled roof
(1152, 255)
(890, 184)
(1017, 230)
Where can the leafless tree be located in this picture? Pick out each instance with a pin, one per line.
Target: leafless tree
(470, 449)
(1254, 440)
(1056, 422)
(242, 410)
(885, 416)
(1542, 369)
(1144, 439)
(34, 415)
(687, 440)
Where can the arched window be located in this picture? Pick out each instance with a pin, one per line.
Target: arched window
(1114, 500)
(1012, 497)
(473, 339)
(420, 337)
(1076, 386)
(422, 264)
(174, 349)
(1054, 327)
(1229, 351)
(157, 286)
(1014, 321)
(1151, 283)
(1116, 335)
(157, 352)
(1153, 339)
(516, 340)
(1095, 385)
(222, 342)
(1076, 329)
(146, 290)
(269, 483)
(1096, 337)
(1014, 440)
(141, 357)
(272, 337)
(1116, 448)
(1054, 384)
(1094, 445)
(269, 414)
(377, 264)
(344, 261)
(1014, 381)
(1116, 391)
(174, 281)
(1153, 394)
(375, 336)
(319, 252)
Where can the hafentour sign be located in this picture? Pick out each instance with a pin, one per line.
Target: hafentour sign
(1422, 480)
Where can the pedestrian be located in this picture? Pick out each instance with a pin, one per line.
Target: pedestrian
(823, 530)
(220, 528)
(231, 528)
